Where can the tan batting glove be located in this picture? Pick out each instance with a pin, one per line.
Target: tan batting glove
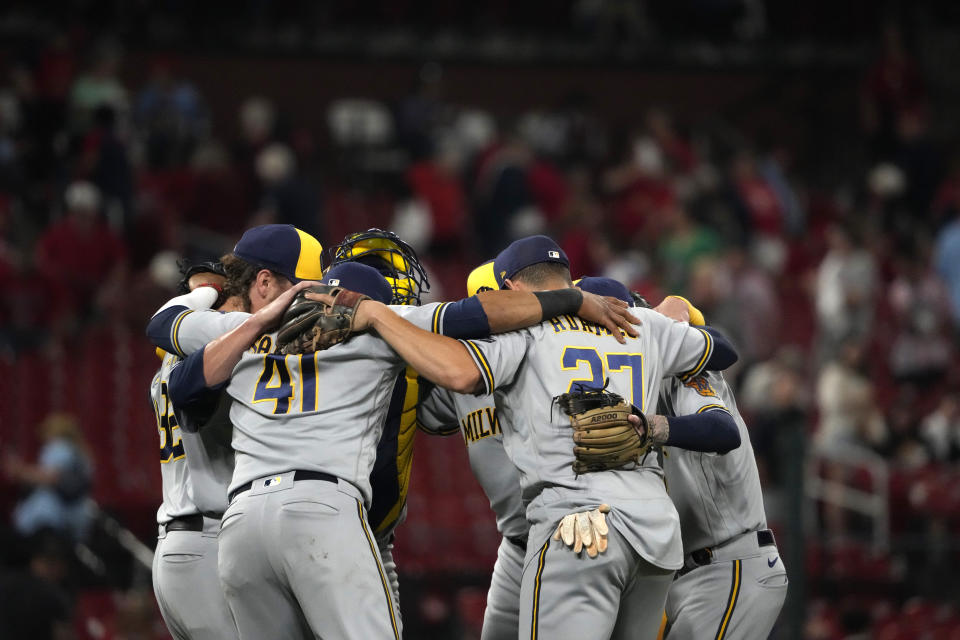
(585, 530)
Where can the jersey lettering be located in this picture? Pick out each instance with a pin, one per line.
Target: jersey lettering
(573, 357)
(275, 367)
(171, 446)
(480, 424)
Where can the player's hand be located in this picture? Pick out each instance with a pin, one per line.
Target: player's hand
(270, 315)
(585, 530)
(363, 317)
(657, 425)
(674, 308)
(610, 313)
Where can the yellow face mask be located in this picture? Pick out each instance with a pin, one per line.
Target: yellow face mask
(392, 257)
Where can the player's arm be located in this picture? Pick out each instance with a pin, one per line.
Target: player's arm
(687, 351)
(713, 431)
(697, 420)
(440, 359)
(189, 392)
(180, 329)
(222, 354)
(491, 312)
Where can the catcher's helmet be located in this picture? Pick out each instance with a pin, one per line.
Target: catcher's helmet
(391, 256)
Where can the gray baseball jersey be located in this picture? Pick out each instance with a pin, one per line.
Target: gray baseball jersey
(195, 468)
(718, 497)
(303, 411)
(528, 368)
(481, 428)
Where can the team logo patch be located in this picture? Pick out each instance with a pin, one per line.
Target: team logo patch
(554, 254)
(334, 282)
(701, 386)
(503, 274)
(275, 480)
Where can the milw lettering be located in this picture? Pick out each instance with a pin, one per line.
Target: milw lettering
(480, 424)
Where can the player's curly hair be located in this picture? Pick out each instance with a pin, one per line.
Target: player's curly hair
(240, 275)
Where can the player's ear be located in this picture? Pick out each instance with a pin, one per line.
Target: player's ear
(509, 284)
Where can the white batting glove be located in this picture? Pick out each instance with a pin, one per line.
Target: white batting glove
(585, 530)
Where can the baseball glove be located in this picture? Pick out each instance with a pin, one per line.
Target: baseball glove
(188, 270)
(603, 435)
(309, 325)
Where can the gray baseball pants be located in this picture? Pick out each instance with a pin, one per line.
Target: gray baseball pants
(187, 587)
(298, 560)
(729, 599)
(568, 596)
(501, 619)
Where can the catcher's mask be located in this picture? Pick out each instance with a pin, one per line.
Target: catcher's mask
(392, 257)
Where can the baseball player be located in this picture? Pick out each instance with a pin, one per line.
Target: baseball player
(564, 594)
(476, 418)
(294, 479)
(733, 582)
(398, 263)
(195, 469)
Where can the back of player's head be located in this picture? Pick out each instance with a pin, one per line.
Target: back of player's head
(360, 278)
(605, 287)
(534, 260)
(282, 249)
(392, 257)
(482, 279)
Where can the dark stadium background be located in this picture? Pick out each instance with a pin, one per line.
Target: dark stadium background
(793, 168)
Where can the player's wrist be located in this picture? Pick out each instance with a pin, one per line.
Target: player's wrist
(370, 314)
(659, 428)
(559, 302)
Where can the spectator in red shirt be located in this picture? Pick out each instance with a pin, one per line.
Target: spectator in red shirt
(436, 182)
(80, 250)
(757, 201)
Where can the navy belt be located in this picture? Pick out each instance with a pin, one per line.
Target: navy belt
(298, 475)
(703, 557)
(518, 541)
(185, 523)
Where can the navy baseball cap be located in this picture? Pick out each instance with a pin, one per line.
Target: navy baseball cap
(294, 254)
(524, 252)
(605, 287)
(360, 278)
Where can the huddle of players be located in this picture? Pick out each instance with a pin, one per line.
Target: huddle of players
(298, 554)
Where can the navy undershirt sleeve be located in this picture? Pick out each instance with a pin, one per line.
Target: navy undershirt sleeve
(724, 355)
(713, 431)
(160, 327)
(189, 391)
(465, 319)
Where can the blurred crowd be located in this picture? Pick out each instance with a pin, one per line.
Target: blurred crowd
(842, 295)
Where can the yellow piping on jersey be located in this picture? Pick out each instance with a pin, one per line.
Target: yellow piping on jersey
(435, 324)
(707, 351)
(485, 366)
(175, 337)
(708, 407)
